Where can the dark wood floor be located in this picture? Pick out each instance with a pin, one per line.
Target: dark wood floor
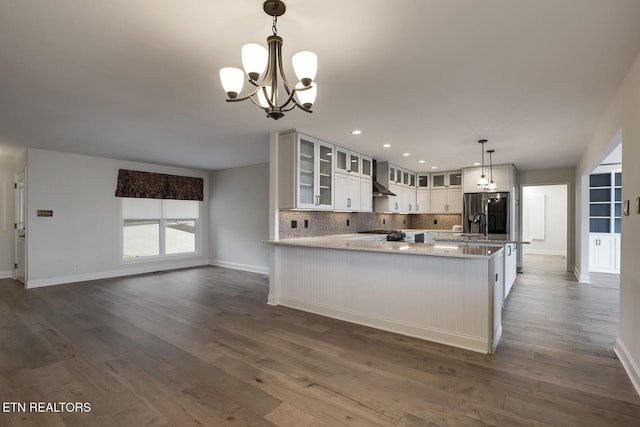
(199, 347)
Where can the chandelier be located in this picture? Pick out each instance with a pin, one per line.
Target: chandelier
(492, 185)
(264, 70)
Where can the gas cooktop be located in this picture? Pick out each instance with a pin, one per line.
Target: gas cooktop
(379, 231)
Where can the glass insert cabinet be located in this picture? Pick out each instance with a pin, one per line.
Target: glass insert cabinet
(315, 173)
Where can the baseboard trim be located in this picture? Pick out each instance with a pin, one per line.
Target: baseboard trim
(238, 266)
(6, 274)
(61, 280)
(543, 252)
(582, 278)
(628, 364)
(477, 344)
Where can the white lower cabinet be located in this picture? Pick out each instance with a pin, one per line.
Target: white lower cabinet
(604, 253)
(347, 192)
(510, 266)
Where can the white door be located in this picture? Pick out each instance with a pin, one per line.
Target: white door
(439, 201)
(454, 200)
(354, 193)
(20, 244)
(341, 198)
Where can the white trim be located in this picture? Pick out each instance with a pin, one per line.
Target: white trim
(6, 274)
(417, 331)
(629, 365)
(237, 266)
(582, 278)
(60, 280)
(544, 252)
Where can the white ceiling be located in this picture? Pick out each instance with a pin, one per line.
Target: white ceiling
(138, 79)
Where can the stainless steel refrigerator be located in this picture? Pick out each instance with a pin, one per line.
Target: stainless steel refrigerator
(487, 213)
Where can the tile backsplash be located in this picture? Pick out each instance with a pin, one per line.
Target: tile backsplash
(326, 223)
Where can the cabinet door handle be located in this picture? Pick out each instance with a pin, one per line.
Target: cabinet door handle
(317, 200)
(409, 207)
(509, 246)
(348, 203)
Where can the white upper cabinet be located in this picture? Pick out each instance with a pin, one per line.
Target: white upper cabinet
(503, 177)
(348, 192)
(451, 179)
(366, 166)
(446, 200)
(347, 161)
(305, 172)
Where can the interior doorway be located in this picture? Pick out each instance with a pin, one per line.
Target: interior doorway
(545, 220)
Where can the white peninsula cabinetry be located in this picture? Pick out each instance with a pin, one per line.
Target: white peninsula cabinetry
(604, 252)
(450, 295)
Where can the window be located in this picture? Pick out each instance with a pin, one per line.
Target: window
(154, 227)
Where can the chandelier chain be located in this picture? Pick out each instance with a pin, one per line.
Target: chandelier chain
(275, 22)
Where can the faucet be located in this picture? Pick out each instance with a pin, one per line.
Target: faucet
(481, 220)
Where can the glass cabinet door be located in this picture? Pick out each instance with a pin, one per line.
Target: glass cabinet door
(354, 163)
(437, 180)
(392, 174)
(455, 179)
(423, 180)
(342, 158)
(405, 177)
(306, 164)
(367, 170)
(325, 156)
(412, 180)
(398, 175)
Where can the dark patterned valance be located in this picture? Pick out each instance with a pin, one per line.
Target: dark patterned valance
(148, 185)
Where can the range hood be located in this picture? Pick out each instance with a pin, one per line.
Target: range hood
(379, 190)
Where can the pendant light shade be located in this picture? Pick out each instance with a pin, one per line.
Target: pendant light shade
(492, 185)
(482, 182)
(305, 65)
(307, 96)
(232, 80)
(254, 60)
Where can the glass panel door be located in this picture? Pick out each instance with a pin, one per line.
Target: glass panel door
(307, 169)
(423, 180)
(437, 180)
(325, 180)
(366, 167)
(455, 179)
(341, 160)
(354, 163)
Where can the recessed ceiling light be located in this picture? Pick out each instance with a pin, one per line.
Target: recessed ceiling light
(420, 161)
(386, 145)
(476, 164)
(406, 154)
(356, 132)
(434, 167)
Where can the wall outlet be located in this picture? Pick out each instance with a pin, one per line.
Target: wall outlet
(294, 224)
(435, 222)
(306, 223)
(404, 221)
(347, 223)
(384, 221)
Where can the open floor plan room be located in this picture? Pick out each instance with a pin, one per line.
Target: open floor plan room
(199, 347)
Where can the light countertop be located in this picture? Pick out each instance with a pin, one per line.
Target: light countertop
(498, 239)
(360, 242)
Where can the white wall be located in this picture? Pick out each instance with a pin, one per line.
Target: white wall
(82, 241)
(620, 123)
(545, 206)
(239, 213)
(6, 216)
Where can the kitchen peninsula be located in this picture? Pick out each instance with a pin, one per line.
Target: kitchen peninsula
(446, 293)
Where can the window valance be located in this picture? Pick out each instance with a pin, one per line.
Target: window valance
(149, 185)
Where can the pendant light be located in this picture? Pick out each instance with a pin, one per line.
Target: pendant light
(482, 182)
(266, 74)
(492, 185)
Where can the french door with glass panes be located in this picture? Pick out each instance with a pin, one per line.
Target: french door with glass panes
(315, 173)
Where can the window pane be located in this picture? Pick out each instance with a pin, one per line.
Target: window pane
(600, 180)
(619, 179)
(180, 236)
(617, 225)
(140, 238)
(618, 196)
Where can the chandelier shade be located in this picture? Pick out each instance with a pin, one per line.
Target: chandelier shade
(266, 74)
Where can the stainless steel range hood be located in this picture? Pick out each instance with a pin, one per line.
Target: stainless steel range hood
(379, 190)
